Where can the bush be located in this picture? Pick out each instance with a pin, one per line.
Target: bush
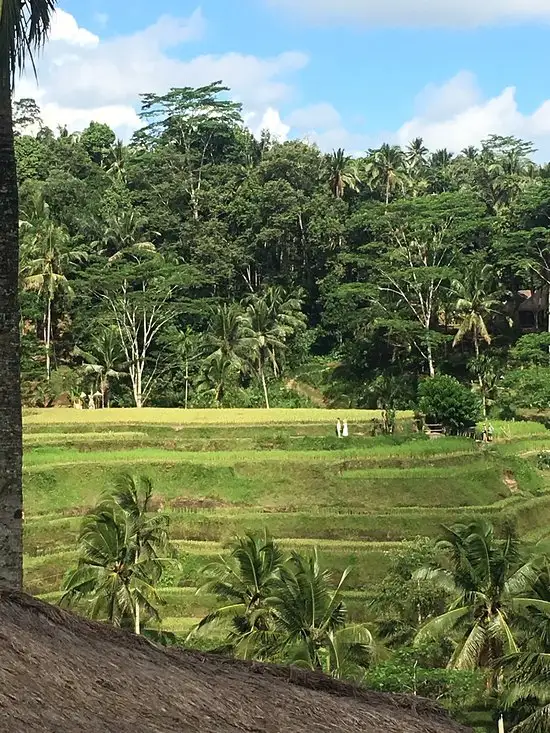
(444, 400)
(529, 388)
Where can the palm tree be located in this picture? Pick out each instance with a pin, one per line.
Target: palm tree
(491, 584)
(416, 156)
(269, 319)
(441, 170)
(116, 163)
(46, 255)
(104, 360)
(24, 26)
(416, 159)
(341, 173)
(224, 346)
(527, 687)
(188, 349)
(122, 552)
(124, 237)
(476, 300)
(385, 170)
(246, 580)
(311, 621)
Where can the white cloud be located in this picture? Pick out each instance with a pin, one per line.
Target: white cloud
(270, 120)
(64, 28)
(456, 115)
(465, 13)
(82, 77)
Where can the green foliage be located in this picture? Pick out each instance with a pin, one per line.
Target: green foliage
(444, 400)
(529, 387)
(122, 553)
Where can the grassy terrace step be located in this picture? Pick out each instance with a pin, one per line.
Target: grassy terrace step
(58, 480)
(42, 536)
(369, 562)
(160, 416)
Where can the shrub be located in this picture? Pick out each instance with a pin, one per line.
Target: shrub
(529, 388)
(444, 400)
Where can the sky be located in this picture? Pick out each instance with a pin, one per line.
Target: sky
(340, 73)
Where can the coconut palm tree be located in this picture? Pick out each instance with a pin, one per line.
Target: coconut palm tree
(122, 554)
(225, 347)
(105, 360)
(45, 257)
(310, 621)
(385, 170)
(188, 348)
(416, 155)
(491, 585)
(124, 237)
(246, 581)
(341, 173)
(269, 319)
(24, 26)
(441, 171)
(527, 690)
(476, 300)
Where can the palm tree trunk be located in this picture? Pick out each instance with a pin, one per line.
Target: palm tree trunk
(137, 627)
(264, 383)
(479, 377)
(48, 337)
(387, 191)
(186, 384)
(11, 498)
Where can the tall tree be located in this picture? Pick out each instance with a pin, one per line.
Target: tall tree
(341, 173)
(24, 26)
(190, 119)
(46, 255)
(105, 360)
(385, 170)
(123, 549)
(414, 277)
(477, 299)
(270, 318)
(139, 313)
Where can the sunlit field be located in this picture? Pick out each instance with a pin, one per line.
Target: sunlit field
(219, 473)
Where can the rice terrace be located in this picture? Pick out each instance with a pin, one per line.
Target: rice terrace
(221, 473)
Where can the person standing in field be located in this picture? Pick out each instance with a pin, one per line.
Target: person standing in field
(345, 430)
(338, 428)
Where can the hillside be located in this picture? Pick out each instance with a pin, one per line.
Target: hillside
(222, 472)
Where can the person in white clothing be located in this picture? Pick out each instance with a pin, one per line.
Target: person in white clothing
(345, 431)
(338, 428)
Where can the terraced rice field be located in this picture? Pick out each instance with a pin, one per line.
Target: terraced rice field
(223, 472)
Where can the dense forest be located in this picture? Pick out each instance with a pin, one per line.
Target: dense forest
(199, 266)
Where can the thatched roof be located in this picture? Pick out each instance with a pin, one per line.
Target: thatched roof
(63, 674)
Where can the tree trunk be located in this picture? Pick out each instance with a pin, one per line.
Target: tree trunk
(430, 358)
(137, 627)
(186, 384)
(479, 377)
(48, 337)
(264, 384)
(11, 451)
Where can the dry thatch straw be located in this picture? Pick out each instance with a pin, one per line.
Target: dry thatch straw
(63, 674)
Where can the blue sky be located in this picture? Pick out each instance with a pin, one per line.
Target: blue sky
(345, 73)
